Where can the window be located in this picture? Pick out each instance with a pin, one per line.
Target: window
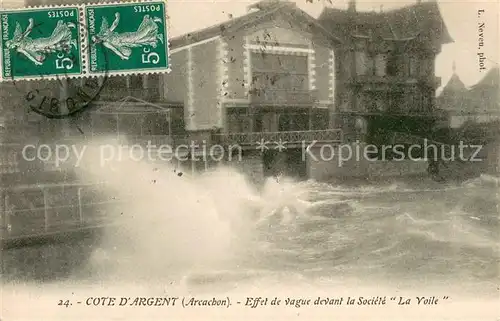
(361, 63)
(236, 120)
(393, 67)
(130, 124)
(412, 65)
(155, 124)
(412, 101)
(380, 65)
(426, 66)
(279, 72)
(380, 100)
(395, 99)
(426, 101)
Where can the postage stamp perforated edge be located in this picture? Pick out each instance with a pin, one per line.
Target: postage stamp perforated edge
(85, 71)
(166, 29)
(81, 40)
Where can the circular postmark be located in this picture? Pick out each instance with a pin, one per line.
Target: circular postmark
(58, 96)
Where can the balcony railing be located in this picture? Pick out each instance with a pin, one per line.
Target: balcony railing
(282, 97)
(290, 137)
(117, 93)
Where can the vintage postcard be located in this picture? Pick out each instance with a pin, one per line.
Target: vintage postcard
(249, 160)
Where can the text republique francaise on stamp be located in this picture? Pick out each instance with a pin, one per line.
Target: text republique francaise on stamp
(83, 41)
(41, 42)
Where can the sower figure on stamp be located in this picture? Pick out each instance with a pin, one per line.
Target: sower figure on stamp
(146, 35)
(35, 49)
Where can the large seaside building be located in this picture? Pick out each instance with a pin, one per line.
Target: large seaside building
(387, 60)
(277, 69)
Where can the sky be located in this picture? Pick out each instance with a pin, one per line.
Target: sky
(461, 18)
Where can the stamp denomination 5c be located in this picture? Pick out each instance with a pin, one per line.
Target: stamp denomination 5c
(132, 37)
(41, 43)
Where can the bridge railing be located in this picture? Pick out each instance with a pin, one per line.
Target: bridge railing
(286, 137)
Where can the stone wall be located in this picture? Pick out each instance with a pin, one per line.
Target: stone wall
(396, 168)
(332, 162)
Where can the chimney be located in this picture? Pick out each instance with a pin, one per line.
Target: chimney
(351, 6)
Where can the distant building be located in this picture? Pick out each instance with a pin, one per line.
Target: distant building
(485, 96)
(477, 104)
(455, 101)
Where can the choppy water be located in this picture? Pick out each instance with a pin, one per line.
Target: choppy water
(216, 234)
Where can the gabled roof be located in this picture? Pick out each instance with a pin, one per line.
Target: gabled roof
(266, 10)
(455, 84)
(491, 79)
(399, 24)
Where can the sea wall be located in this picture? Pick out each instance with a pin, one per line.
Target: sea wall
(325, 163)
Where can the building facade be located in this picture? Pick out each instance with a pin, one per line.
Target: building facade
(388, 79)
(278, 69)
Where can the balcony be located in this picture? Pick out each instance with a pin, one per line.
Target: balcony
(282, 97)
(292, 137)
(117, 93)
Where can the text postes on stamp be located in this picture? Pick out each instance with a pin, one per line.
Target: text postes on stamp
(131, 36)
(41, 43)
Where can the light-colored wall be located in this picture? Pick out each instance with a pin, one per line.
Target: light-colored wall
(236, 67)
(175, 86)
(206, 111)
(195, 80)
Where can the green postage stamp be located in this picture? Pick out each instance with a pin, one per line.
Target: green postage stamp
(41, 43)
(127, 38)
(84, 40)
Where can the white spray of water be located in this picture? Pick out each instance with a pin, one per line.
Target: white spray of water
(177, 222)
